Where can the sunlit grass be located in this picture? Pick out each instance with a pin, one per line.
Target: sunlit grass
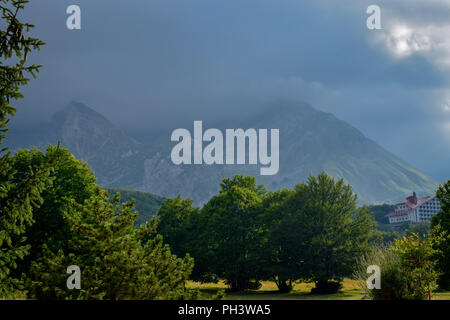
(301, 291)
(441, 296)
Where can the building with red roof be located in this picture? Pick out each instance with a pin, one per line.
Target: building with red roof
(414, 209)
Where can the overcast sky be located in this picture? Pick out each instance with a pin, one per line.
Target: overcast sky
(149, 64)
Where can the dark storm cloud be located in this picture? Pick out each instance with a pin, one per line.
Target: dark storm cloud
(148, 65)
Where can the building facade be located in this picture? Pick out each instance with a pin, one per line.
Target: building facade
(414, 210)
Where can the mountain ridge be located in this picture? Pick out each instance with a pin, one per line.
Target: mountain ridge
(311, 141)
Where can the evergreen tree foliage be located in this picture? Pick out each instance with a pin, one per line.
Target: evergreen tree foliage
(18, 195)
(117, 260)
(147, 204)
(20, 192)
(71, 181)
(15, 46)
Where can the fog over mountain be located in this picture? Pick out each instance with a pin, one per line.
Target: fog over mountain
(311, 141)
(148, 65)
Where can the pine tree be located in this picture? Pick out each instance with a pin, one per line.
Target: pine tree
(117, 260)
(15, 46)
(17, 194)
(71, 180)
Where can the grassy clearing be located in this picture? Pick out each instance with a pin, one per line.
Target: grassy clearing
(301, 291)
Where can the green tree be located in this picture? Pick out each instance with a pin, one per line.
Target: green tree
(183, 227)
(281, 252)
(232, 232)
(380, 211)
(17, 196)
(147, 204)
(174, 224)
(418, 258)
(15, 46)
(20, 192)
(117, 260)
(334, 231)
(422, 228)
(441, 221)
(71, 180)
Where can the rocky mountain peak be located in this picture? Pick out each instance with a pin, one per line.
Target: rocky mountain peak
(311, 141)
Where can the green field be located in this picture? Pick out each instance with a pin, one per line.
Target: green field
(301, 291)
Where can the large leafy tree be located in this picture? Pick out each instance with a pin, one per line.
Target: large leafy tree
(441, 222)
(281, 252)
(175, 224)
(182, 228)
(232, 232)
(117, 260)
(18, 195)
(334, 231)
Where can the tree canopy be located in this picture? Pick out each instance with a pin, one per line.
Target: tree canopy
(441, 222)
(19, 193)
(117, 260)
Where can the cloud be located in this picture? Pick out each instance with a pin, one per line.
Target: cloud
(148, 65)
(413, 27)
(404, 41)
(431, 41)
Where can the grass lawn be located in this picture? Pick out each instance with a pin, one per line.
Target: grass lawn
(301, 291)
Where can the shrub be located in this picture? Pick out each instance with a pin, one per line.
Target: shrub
(327, 287)
(392, 286)
(407, 269)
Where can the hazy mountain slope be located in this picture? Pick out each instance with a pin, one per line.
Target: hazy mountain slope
(310, 141)
(116, 158)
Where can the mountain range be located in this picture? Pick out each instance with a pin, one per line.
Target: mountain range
(311, 141)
